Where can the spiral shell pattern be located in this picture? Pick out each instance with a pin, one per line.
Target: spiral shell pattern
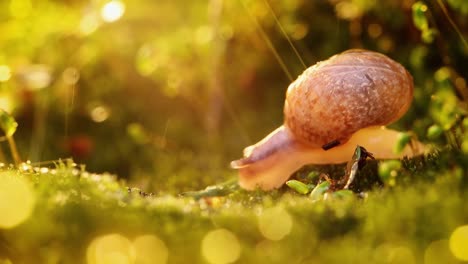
(352, 90)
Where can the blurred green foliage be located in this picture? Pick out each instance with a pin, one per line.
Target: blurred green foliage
(7, 123)
(165, 93)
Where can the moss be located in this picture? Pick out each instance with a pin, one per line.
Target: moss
(74, 207)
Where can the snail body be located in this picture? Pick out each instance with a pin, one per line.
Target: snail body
(337, 103)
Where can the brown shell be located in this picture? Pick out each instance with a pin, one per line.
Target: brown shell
(352, 90)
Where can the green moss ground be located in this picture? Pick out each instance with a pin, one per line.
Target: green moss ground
(408, 222)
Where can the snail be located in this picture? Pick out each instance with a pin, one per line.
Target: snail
(332, 107)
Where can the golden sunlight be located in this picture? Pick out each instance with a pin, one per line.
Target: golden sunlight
(16, 200)
(116, 248)
(220, 246)
(149, 249)
(275, 223)
(5, 73)
(112, 11)
(459, 243)
(112, 248)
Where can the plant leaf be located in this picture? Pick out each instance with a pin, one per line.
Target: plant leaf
(7, 123)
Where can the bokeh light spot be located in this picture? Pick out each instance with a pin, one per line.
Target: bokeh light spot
(71, 76)
(137, 133)
(459, 243)
(6, 103)
(374, 30)
(204, 35)
(149, 249)
(385, 43)
(146, 60)
(36, 76)
(348, 10)
(89, 23)
(5, 73)
(300, 31)
(100, 114)
(275, 223)
(16, 200)
(438, 252)
(112, 248)
(442, 74)
(112, 11)
(220, 246)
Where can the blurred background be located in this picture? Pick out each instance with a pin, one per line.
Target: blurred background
(165, 93)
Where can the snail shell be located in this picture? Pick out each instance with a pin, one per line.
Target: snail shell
(340, 102)
(350, 91)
